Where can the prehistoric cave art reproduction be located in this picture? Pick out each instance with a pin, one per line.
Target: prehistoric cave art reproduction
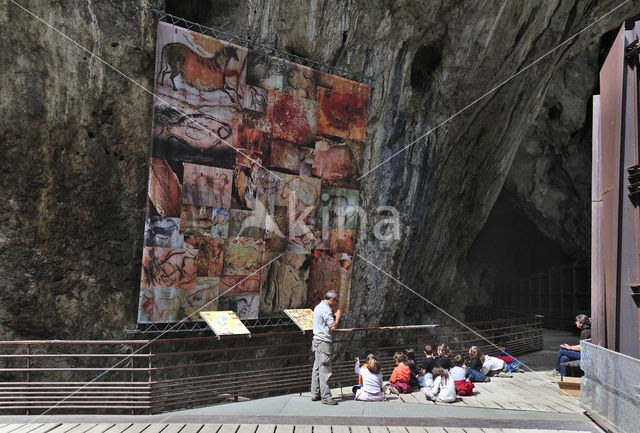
(286, 284)
(230, 284)
(292, 119)
(330, 270)
(207, 186)
(301, 239)
(338, 208)
(162, 232)
(253, 182)
(210, 255)
(250, 148)
(195, 220)
(164, 189)
(255, 99)
(168, 268)
(203, 298)
(220, 222)
(300, 80)
(245, 185)
(337, 162)
(245, 305)
(342, 107)
(198, 71)
(303, 193)
(242, 256)
(342, 241)
(186, 135)
(247, 223)
(264, 72)
(161, 305)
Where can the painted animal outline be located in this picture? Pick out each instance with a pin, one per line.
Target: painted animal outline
(199, 72)
(198, 126)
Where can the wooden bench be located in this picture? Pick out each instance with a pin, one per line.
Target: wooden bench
(572, 364)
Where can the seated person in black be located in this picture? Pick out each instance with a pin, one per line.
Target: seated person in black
(443, 357)
(567, 352)
(413, 367)
(425, 378)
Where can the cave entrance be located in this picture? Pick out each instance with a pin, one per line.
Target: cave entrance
(524, 271)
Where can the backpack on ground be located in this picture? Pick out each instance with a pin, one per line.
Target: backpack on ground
(464, 388)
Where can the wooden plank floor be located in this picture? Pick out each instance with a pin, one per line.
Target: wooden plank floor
(249, 428)
(533, 390)
(525, 391)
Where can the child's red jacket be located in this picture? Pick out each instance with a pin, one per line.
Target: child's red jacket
(401, 373)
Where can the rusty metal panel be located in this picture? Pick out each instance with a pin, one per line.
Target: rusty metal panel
(611, 100)
(630, 217)
(597, 248)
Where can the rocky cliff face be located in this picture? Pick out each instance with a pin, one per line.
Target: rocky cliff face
(75, 141)
(74, 146)
(551, 172)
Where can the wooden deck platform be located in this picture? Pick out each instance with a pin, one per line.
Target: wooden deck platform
(535, 389)
(241, 428)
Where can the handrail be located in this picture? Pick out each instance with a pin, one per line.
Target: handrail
(177, 373)
(33, 342)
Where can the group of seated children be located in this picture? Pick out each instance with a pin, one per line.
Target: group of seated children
(439, 378)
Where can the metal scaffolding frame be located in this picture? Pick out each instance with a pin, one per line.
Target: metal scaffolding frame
(182, 327)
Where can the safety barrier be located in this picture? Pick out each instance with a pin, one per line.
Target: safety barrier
(150, 376)
(610, 387)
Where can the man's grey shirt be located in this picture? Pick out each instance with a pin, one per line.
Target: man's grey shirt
(322, 322)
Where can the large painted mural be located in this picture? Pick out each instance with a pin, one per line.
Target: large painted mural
(254, 162)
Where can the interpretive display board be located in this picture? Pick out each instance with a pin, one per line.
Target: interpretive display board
(253, 182)
(302, 317)
(224, 323)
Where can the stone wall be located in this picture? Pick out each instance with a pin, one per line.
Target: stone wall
(75, 141)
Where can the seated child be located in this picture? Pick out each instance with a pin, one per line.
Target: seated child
(355, 388)
(413, 368)
(459, 375)
(399, 380)
(425, 378)
(493, 366)
(458, 371)
(474, 366)
(443, 357)
(443, 388)
(512, 363)
(371, 377)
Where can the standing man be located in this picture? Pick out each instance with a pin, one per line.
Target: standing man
(323, 324)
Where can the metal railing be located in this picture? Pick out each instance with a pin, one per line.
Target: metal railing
(559, 294)
(149, 376)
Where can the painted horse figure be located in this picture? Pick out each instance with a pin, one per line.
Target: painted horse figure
(202, 73)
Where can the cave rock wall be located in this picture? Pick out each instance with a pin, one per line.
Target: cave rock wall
(75, 140)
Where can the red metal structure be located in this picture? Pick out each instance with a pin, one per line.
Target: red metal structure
(616, 216)
(611, 361)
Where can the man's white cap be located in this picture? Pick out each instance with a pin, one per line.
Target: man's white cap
(330, 295)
